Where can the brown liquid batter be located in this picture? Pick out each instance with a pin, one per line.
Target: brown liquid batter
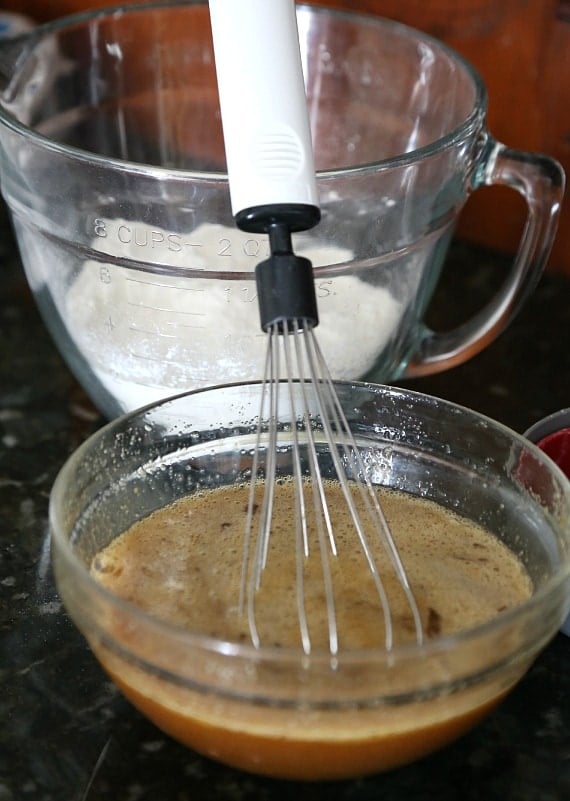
(183, 565)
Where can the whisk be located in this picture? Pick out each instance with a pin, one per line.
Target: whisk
(273, 192)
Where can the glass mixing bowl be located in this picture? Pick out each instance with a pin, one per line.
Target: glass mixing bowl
(113, 168)
(277, 711)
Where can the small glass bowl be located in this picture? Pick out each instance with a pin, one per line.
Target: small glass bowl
(552, 435)
(276, 711)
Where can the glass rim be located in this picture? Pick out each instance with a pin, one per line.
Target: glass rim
(473, 122)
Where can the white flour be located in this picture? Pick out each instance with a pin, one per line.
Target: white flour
(147, 336)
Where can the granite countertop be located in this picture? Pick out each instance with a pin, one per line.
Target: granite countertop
(65, 732)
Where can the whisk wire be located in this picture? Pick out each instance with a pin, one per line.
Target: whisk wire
(271, 459)
(251, 574)
(369, 497)
(339, 433)
(319, 494)
(252, 487)
(321, 509)
(304, 368)
(301, 533)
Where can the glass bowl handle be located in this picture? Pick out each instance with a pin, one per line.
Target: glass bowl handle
(540, 180)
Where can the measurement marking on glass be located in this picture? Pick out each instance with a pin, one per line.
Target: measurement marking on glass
(168, 309)
(163, 310)
(159, 284)
(163, 360)
(160, 334)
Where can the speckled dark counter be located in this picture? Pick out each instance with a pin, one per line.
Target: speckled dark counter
(67, 735)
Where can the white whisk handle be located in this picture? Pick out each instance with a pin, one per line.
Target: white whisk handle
(263, 103)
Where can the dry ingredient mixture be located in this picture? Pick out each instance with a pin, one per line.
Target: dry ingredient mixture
(148, 335)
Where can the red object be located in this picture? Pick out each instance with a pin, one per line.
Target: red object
(557, 446)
